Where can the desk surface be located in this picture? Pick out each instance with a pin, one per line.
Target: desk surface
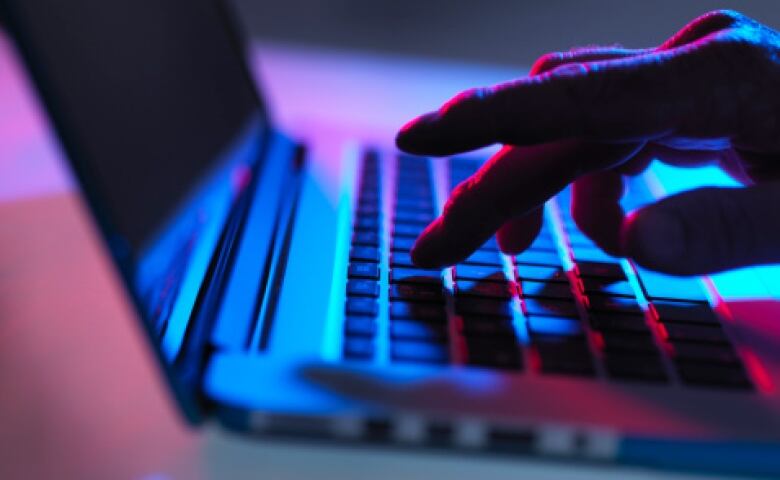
(81, 397)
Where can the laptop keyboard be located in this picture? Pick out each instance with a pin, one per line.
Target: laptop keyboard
(562, 307)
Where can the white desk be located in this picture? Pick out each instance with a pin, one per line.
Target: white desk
(79, 394)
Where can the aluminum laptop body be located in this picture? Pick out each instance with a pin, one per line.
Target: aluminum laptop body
(274, 282)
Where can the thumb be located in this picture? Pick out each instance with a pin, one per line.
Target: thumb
(706, 230)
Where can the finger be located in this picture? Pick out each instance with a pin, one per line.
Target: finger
(553, 60)
(512, 183)
(518, 233)
(596, 101)
(702, 26)
(596, 209)
(706, 230)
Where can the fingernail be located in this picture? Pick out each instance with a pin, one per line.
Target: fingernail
(654, 238)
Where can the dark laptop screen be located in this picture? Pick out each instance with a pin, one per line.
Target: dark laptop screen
(160, 119)
(149, 93)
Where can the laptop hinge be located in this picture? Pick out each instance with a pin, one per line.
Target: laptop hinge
(197, 347)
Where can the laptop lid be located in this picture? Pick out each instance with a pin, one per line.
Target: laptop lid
(156, 111)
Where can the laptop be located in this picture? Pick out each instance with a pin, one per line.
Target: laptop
(275, 287)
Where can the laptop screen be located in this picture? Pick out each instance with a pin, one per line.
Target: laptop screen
(150, 92)
(162, 123)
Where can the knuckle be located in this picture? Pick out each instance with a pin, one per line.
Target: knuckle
(739, 44)
(465, 97)
(740, 65)
(723, 16)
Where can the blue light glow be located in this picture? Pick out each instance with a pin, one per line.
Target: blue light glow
(664, 180)
(199, 221)
(554, 325)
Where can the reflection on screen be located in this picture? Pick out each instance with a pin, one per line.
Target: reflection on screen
(149, 93)
(154, 104)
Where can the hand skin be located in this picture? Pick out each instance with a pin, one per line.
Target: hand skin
(711, 93)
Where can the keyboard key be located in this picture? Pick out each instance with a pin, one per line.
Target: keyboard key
(415, 275)
(368, 239)
(414, 190)
(628, 366)
(477, 288)
(601, 270)
(555, 308)
(539, 257)
(668, 287)
(694, 333)
(403, 244)
(701, 352)
(418, 177)
(487, 327)
(628, 342)
(367, 209)
(565, 326)
(363, 288)
(564, 356)
(405, 216)
(368, 224)
(358, 348)
(580, 241)
(685, 312)
(722, 376)
(364, 270)
(364, 254)
(603, 286)
(401, 259)
(608, 322)
(483, 306)
(591, 254)
(479, 272)
(553, 290)
(368, 195)
(362, 306)
(407, 230)
(370, 182)
(492, 354)
(417, 292)
(419, 352)
(541, 273)
(489, 246)
(414, 205)
(610, 304)
(360, 326)
(488, 258)
(411, 330)
(418, 311)
(544, 241)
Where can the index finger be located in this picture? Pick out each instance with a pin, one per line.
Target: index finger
(513, 182)
(635, 98)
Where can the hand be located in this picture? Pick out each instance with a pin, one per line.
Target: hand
(711, 93)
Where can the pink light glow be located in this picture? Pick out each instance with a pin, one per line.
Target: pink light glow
(27, 146)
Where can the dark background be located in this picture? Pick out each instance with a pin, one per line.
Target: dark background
(489, 31)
